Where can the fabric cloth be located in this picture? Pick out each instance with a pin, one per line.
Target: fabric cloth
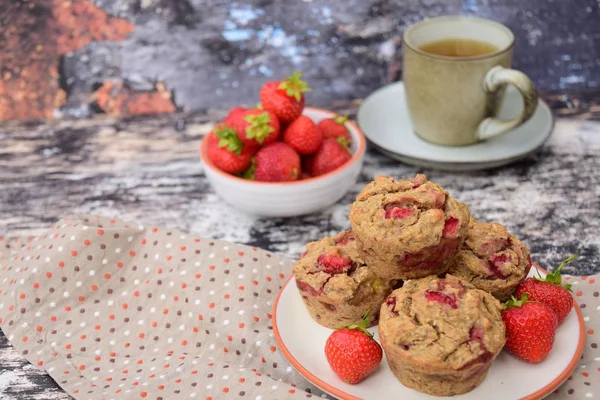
(115, 310)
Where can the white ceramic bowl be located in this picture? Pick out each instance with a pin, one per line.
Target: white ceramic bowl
(288, 199)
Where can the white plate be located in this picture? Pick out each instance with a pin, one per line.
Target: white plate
(302, 341)
(385, 121)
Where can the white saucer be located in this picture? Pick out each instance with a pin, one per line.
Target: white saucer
(385, 121)
(302, 341)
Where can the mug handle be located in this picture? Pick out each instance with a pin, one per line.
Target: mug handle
(496, 78)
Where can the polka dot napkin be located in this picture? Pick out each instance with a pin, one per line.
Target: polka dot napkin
(115, 310)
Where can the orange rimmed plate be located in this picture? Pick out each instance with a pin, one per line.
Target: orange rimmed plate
(302, 341)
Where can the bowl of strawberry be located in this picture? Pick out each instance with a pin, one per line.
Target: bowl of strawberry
(281, 158)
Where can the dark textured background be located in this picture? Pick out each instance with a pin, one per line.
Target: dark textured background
(214, 54)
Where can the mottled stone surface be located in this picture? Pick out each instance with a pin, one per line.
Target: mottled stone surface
(148, 169)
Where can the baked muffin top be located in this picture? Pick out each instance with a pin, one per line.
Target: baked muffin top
(443, 323)
(407, 214)
(490, 252)
(332, 267)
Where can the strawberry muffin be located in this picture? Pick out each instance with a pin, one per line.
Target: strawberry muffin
(335, 285)
(408, 228)
(440, 335)
(492, 260)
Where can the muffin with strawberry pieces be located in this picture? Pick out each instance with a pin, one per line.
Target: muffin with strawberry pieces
(408, 228)
(255, 127)
(227, 151)
(492, 259)
(441, 335)
(336, 286)
(285, 98)
(335, 128)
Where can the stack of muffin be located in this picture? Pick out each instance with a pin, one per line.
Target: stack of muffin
(442, 329)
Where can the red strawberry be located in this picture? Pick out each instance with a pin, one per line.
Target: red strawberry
(285, 98)
(530, 328)
(303, 135)
(335, 127)
(352, 352)
(255, 126)
(226, 150)
(277, 162)
(550, 291)
(233, 116)
(330, 156)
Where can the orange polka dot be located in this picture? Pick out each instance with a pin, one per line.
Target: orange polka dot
(74, 253)
(161, 387)
(160, 271)
(227, 296)
(183, 248)
(154, 230)
(81, 298)
(68, 346)
(241, 287)
(136, 293)
(100, 232)
(22, 295)
(106, 276)
(98, 358)
(586, 374)
(590, 331)
(142, 335)
(240, 253)
(36, 285)
(198, 276)
(53, 318)
(592, 281)
(94, 287)
(212, 267)
(273, 349)
(225, 389)
(269, 279)
(144, 394)
(125, 306)
(229, 338)
(61, 264)
(81, 367)
(225, 350)
(154, 324)
(165, 311)
(38, 328)
(211, 305)
(40, 363)
(68, 308)
(579, 293)
(241, 325)
(132, 253)
(140, 361)
(144, 241)
(98, 327)
(48, 274)
(255, 282)
(119, 265)
(87, 242)
(256, 319)
(281, 276)
(183, 285)
(200, 317)
(175, 298)
(111, 316)
(241, 380)
(584, 278)
(292, 391)
(178, 380)
(184, 342)
(226, 260)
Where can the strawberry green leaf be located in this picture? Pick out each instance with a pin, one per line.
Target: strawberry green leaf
(513, 302)
(229, 138)
(344, 142)
(294, 86)
(249, 173)
(360, 327)
(555, 277)
(260, 127)
(340, 119)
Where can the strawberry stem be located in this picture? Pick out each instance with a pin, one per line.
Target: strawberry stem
(229, 138)
(513, 302)
(555, 277)
(362, 326)
(340, 119)
(260, 127)
(249, 173)
(294, 86)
